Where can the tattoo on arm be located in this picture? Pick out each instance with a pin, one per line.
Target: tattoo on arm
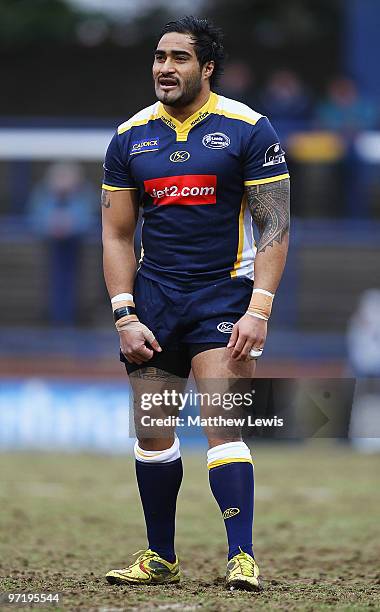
(269, 205)
(105, 199)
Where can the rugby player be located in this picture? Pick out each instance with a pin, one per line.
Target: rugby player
(203, 168)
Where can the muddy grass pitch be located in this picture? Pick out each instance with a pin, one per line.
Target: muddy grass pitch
(67, 519)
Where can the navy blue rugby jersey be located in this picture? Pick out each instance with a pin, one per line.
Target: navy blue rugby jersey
(191, 180)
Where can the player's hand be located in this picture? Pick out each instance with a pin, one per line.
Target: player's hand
(247, 333)
(133, 339)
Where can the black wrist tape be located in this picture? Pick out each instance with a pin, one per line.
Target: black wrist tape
(124, 311)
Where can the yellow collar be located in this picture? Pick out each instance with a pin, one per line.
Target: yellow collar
(182, 129)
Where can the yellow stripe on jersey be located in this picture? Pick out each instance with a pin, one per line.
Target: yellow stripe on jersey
(229, 115)
(110, 188)
(237, 263)
(124, 127)
(182, 129)
(219, 462)
(272, 179)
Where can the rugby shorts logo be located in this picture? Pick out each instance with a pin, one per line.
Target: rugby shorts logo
(143, 146)
(179, 156)
(185, 190)
(274, 155)
(217, 140)
(230, 512)
(225, 327)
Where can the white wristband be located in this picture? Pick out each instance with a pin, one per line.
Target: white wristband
(122, 297)
(264, 292)
(255, 314)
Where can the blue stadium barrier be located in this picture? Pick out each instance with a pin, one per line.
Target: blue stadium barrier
(64, 416)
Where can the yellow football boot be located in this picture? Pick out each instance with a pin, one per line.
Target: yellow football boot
(243, 573)
(149, 568)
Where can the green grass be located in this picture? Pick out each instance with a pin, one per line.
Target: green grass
(65, 520)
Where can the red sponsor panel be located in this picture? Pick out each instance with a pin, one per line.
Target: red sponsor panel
(185, 190)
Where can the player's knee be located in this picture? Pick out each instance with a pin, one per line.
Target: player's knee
(157, 450)
(155, 443)
(221, 439)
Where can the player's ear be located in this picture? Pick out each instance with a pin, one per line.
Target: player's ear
(208, 69)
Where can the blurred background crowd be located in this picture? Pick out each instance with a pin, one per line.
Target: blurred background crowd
(73, 70)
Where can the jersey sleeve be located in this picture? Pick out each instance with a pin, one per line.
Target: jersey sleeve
(264, 160)
(116, 172)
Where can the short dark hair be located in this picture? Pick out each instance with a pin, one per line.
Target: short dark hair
(208, 41)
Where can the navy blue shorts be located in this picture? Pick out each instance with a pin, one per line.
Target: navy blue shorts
(187, 322)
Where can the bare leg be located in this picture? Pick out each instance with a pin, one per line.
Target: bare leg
(151, 380)
(214, 370)
(158, 461)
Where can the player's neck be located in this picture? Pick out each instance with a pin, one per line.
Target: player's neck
(184, 112)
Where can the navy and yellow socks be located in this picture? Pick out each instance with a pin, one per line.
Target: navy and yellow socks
(232, 484)
(159, 476)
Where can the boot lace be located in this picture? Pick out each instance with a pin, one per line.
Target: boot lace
(247, 564)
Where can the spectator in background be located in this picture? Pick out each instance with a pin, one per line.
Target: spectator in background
(363, 343)
(286, 98)
(61, 211)
(363, 336)
(237, 81)
(347, 112)
(344, 109)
